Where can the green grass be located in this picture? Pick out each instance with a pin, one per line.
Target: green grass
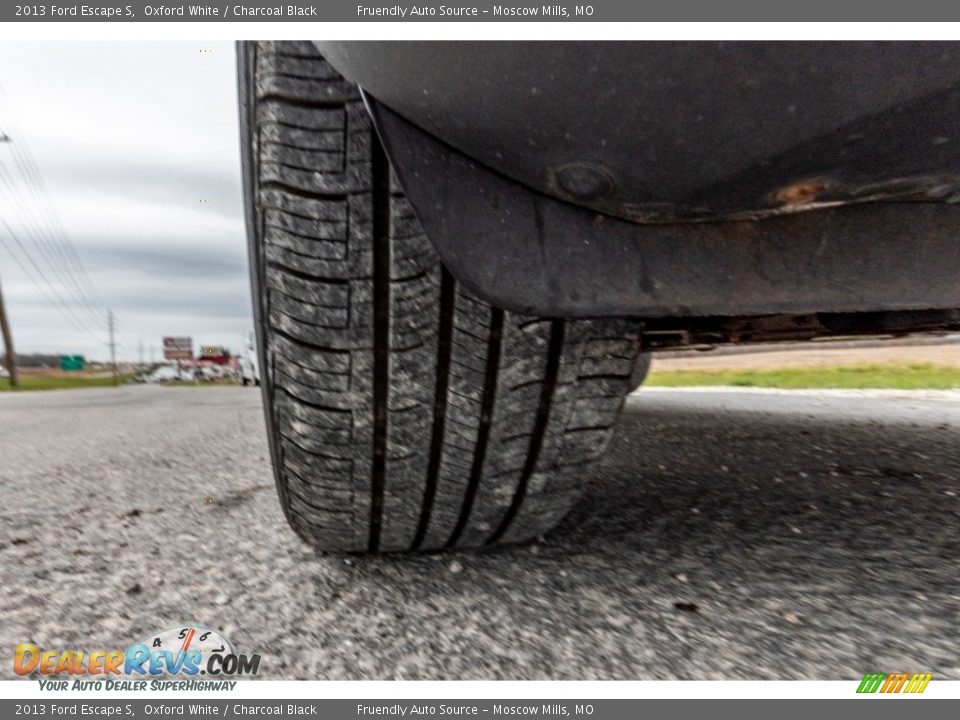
(219, 382)
(69, 382)
(916, 376)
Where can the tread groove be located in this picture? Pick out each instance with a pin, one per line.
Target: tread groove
(486, 415)
(300, 192)
(381, 336)
(551, 373)
(311, 405)
(305, 343)
(277, 97)
(444, 352)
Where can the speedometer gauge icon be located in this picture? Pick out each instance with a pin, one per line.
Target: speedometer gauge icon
(190, 639)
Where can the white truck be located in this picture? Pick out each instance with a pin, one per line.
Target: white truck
(247, 365)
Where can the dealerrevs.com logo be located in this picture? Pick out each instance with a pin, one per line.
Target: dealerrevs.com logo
(186, 652)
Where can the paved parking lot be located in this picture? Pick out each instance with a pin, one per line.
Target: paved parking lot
(728, 535)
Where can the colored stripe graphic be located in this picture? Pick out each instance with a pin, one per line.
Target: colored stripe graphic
(871, 682)
(918, 683)
(894, 682)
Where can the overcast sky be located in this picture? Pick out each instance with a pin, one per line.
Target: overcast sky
(129, 138)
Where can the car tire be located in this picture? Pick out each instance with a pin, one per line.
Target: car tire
(641, 370)
(403, 412)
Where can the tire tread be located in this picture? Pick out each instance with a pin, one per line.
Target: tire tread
(485, 418)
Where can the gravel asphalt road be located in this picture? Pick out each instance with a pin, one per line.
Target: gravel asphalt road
(728, 535)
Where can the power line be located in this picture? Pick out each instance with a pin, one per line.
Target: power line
(39, 224)
(30, 203)
(63, 307)
(37, 268)
(60, 240)
(30, 230)
(23, 149)
(19, 205)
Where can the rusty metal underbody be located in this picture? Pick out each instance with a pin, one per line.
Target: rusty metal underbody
(709, 332)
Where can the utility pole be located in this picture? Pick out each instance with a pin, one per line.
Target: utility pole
(141, 353)
(5, 324)
(113, 346)
(8, 344)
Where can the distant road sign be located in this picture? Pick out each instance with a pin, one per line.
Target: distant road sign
(72, 363)
(178, 348)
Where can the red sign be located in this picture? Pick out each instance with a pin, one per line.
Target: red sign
(215, 353)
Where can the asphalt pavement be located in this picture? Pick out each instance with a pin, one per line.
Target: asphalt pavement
(728, 535)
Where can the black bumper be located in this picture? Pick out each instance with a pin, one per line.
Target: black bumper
(795, 198)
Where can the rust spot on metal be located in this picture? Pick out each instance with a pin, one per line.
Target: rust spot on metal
(801, 192)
